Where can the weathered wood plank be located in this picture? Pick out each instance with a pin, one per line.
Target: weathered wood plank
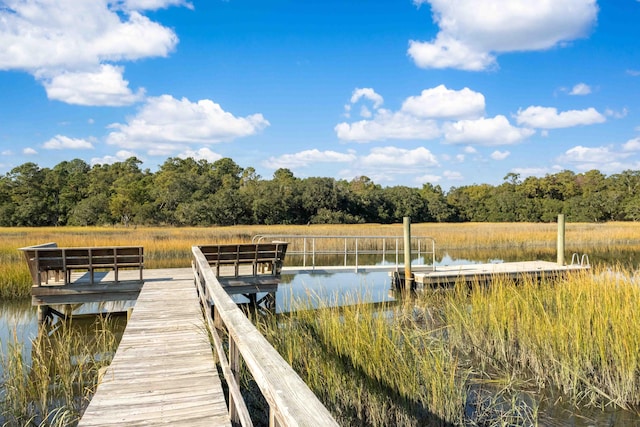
(447, 275)
(164, 370)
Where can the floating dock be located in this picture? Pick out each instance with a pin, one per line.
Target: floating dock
(481, 273)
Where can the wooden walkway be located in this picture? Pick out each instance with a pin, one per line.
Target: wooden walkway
(163, 372)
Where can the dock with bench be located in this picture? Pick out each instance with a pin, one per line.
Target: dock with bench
(185, 333)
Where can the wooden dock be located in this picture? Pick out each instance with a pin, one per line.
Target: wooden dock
(163, 372)
(480, 273)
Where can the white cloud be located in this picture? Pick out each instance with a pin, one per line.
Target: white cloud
(632, 145)
(616, 114)
(417, 117)
(453, 175)
(580, 89)
(203, 153)
(443, 103)
(309, 157)
(472, 32)
(500, 155)
(154, 4)
(7, 153)
(549, 118)
(470, 150)
(388, 125)
(399, 157)
(524, 172)
(603, 158)
(369, 94)
(427, 178)
(120, 156)
(62, 42)
(61, 142)
(104, 86)
(164, 125)
(29, 151)
(485, 131)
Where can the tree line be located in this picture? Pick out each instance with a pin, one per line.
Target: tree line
(188, 192)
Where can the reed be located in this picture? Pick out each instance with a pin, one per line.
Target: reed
(578, 338)
(53, 384)
(379, 366)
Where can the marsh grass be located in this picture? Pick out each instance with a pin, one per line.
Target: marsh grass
(54, 384)
(167, 247)
(371, 366)
(479, 355)
(578, 338)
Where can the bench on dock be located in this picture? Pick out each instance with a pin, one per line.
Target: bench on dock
(263, 258)
(49, 260)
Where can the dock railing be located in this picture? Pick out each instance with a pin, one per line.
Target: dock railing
(291, 402)
(353, 248)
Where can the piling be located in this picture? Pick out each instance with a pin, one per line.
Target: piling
(561, 232)
(408, 277)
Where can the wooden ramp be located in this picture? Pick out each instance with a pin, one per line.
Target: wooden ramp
(163, 372)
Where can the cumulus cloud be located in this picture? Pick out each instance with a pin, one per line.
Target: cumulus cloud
(428, 178)
(388, 125)
(309, 157)
(524, 172)
(71, 42)
(120, 156)
(485, 131)
(430, 115)
(603, 158)
(164, 125)
(203, 153)
(472, 32)
(369, 94)
(453, 175)
(632, 145)
(103, 86)
(440, 102)
(385, 156)
(549, 118)
(61, 142)
(416, 119)
(580, 89)
(500, 155)
(29, 151)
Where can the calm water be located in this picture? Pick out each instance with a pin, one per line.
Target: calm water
(18, 319)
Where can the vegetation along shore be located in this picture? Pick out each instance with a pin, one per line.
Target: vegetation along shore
(480, 355)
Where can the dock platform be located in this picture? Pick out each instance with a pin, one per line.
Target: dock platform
(472, 273)
(163, 372)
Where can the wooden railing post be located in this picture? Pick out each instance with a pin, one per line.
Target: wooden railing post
(234, 364)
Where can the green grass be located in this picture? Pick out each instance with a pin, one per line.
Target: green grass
(497, 350)
(55, 384)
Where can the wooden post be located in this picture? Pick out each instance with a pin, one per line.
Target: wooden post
(560, 249)
(408, 278)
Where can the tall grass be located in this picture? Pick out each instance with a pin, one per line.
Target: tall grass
(380, 366)
(170, 247)
(479, 355)
(579, 337)
(53, 384)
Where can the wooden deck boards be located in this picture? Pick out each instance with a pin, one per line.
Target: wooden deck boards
(163, 372)
(449, 275)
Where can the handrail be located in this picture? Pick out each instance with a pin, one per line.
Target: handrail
(353, 249)
(291, 402)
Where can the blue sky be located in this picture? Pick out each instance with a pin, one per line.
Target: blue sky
(450, 92)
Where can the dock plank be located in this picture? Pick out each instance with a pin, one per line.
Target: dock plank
(163, 372)
(451, 274)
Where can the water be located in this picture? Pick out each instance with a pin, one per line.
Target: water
(18, 318)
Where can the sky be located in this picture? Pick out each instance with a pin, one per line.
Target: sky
(405, 92)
